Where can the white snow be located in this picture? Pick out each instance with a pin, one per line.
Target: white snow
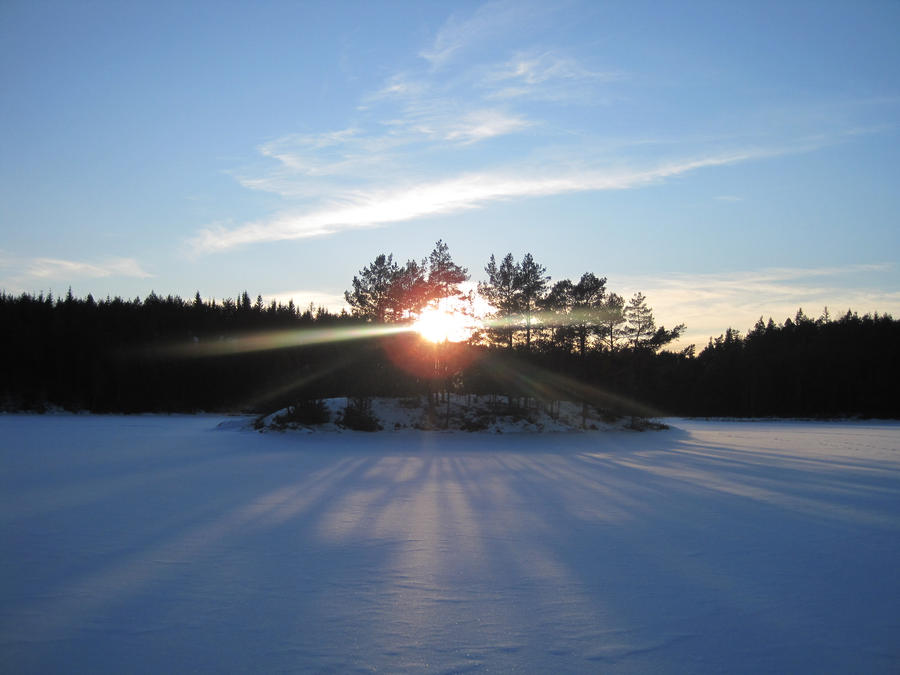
(171, 544)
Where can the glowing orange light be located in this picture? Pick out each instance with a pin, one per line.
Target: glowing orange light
(446, 322)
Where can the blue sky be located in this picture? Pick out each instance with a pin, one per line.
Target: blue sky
(729, 160)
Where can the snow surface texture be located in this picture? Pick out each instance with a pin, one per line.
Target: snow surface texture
(167, 544)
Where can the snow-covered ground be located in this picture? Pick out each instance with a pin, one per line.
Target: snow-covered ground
(171, 544)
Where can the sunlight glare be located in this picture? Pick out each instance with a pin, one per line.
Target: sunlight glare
(446, 322)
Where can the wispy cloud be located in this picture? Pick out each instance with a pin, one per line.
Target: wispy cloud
(405, 154)
(308, 153)
(467, 191)
(546, 76)
(481, 124)
(55, 268)
(462, 32)
(352, 157)
(398, 86)
(462, 134)
(710, 303)
(25, 272)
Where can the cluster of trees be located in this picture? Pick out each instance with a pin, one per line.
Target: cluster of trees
(566, 316)
(567, 340)
(386, 291)
(529, 312)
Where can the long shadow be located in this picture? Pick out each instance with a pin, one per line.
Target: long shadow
(662, 557)
(448, 552)
(789, 477)
(97, 584)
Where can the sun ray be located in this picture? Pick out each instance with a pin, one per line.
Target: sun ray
(450, 320)
(279, 339)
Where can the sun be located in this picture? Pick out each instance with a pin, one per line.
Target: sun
(445, 322)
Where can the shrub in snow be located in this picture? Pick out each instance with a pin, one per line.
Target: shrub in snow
(358, 416)
(643, 424)
(308, 411)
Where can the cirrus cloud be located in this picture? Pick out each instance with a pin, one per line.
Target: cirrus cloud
(24, 273)
(375, 208)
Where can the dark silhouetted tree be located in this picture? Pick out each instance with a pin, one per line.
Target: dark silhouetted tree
(372, 295)
(640, 325)
(444, 275)
(558, 306)
(532, 286)
(501, 291)
(588, 297)
(612, 320)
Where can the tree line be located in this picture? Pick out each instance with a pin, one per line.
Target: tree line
(802, 367)
(571, 339)
(159, 354)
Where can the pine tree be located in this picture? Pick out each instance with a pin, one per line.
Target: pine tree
(371, 297)
(588, 297)
(501, 291)
(640, 323)
(408, 293)
(444, 275)
(532, 286)
(558, 306)
(612, 316)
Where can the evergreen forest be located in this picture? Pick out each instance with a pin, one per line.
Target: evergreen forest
(543, 341)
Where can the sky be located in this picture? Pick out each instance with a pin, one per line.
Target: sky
(729, 160)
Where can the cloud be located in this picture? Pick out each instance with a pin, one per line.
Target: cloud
(710, 303)
(444, 124)
(27, 271)
(400, 157)
(404, 121)
(334, 163)
(471, 190)
(482, 124)
(333, 302)
(544, 76)
(298, 152)
(457, 34)
(55, 268)
(426, 141)
(398, 86)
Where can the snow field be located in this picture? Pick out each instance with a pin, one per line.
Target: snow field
(168, 544)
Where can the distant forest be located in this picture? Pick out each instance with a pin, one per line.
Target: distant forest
(569, 340)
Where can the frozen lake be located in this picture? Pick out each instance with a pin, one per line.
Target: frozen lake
(165, 544)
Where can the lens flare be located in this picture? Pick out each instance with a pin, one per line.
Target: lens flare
(448, 321)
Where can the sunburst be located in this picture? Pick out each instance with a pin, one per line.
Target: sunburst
(447, 321)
